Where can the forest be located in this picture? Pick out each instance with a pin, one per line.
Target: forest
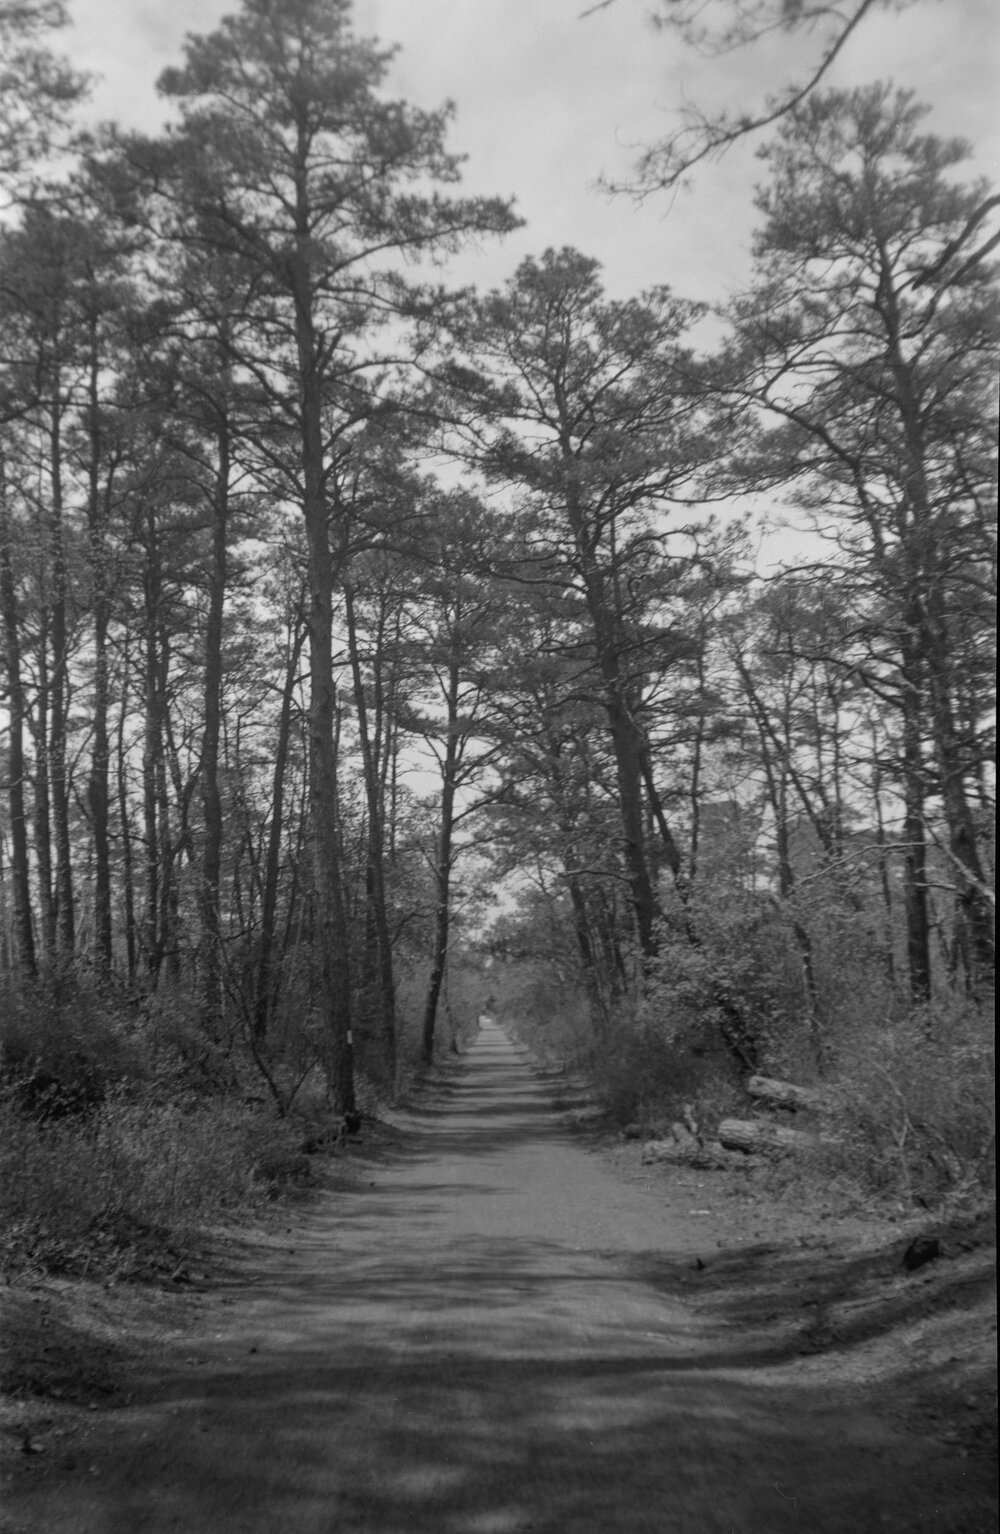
(379, 652)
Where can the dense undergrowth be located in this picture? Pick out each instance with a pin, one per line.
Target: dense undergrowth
(127, 1127)
(121, 1138)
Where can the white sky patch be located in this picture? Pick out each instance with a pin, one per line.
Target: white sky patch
(547, 101)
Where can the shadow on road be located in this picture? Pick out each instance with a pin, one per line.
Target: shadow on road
(493, 1338)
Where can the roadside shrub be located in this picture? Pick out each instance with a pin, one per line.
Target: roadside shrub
(64, 1049)
(651, 1071)
(182, 1056)
(742, 958)
(644, 1078)
(137, 1175)
(914, 1104)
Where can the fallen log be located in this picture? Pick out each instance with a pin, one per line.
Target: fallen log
(785, 1093)
(710, 1157)
(665, 1150)
(751, 1135)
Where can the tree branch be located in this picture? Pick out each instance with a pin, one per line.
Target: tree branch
(663, 165)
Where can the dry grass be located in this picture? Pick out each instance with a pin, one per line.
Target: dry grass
(913, 1103)
(103, 1193)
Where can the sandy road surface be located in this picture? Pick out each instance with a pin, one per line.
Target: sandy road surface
(473, 1342)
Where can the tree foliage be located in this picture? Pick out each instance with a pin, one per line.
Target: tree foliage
(360, 636)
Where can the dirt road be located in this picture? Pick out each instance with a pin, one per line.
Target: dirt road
(474, 1341)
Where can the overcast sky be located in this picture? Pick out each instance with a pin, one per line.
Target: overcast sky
(547, 101)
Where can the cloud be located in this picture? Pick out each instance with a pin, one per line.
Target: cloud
(547, 101)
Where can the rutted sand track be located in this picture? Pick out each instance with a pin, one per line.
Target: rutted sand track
(474, 1342)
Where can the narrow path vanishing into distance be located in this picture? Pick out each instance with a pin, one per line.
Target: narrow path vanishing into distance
(473, 1341)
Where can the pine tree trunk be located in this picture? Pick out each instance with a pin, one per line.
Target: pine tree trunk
(211, 797)
(132, 942)
(915, 891)
(59, 699)
(272, 861)
(152, 752)
(42, 804)
(98, 784)
(443, 864)
(24, 936)
(331, 934)
(380, 940)
(626, 738)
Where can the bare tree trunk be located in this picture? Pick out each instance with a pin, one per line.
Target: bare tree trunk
(59, 695)
(443, 862)
(98, 785)
(626, 735)
(375, 858)
(694, 791)
(331, 935)
(883, 863)
(167, 846)
(43, 806)
(211, 857)
(915, 891)
(152, 753)
(975, 938)
(272, 862)
(125, 826)
(24, 936)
